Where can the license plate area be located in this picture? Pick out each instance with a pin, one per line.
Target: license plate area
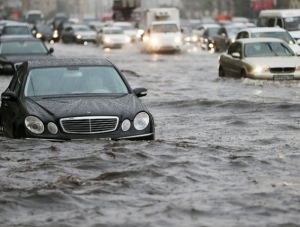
(283, 77)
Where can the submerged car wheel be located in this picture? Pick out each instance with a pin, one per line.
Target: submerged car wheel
(243, 73)
(221, 72)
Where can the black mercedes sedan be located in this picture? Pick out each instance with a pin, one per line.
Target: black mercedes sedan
(64, 99)
(15, 49)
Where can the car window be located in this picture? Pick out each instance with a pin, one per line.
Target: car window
(74, 80)
(262, 22)
(15, 30)
(292, 23)
(283, 35)
(23, 47)
(271, 22)
(279, 22)
(158, 28)
(242, 35)
(232, 48)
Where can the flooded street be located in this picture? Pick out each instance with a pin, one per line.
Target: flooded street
(226, 154)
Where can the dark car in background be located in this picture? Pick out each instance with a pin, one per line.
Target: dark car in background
(63, 99)
(225, 36)
(16, 49)
(204, 34)
(78, 33)
(44, 32)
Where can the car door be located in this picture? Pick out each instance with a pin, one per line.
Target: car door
(11, 109)
(234, 64)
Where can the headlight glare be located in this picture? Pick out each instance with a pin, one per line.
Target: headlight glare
(52, 127)
(34, 125)
(260, 69)
(78, 36)
(125, 125)
(177, 40)
(154, 41)
(141, 121)
(39, 35)
(107, 39)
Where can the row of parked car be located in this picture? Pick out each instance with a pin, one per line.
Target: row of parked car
(109, 35)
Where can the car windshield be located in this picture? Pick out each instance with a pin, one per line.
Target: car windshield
(292, 23)
(15, 30)
(124, 27)
(57, 81)
(113, 31)
(82, 28)
(23, 47)
(44, 29)
(267, 49)
(159, 28)
(285, 36)
(212, 31)
(232, 31)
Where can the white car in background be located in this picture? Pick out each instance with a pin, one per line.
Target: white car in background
(270, 32)
(260, 58)
(128, 29)
(111, 37)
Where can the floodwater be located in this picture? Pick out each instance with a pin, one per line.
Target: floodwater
(226, 154)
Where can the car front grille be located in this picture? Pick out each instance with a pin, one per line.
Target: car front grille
(89, 125)
(282, 70)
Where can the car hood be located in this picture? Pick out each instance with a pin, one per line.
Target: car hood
(125, 105)
(130, 32)
(274, 61)
(21, 58)
(295, 34)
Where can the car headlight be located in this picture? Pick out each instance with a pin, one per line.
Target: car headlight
(145, 38)
(127, 39)
(298, 68)
(154, 41)
(55, 35)
(177, 40)
(194, 38)
(34, 125)
(78, 36)
(260, 69)
(52, 127)
(125, 125)
(141, 121)
(107, 39)
(39, 35)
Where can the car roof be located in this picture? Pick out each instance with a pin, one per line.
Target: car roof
(16, 23)
(264, 29)
(112, 28)
(8, 38)
(259, 40)
(60, 62)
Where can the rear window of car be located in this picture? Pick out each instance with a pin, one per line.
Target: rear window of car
(23, 47)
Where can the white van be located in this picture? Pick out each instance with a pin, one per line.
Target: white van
(288, 19)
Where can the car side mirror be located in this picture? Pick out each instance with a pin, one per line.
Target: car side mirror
(236, 55)
(9, 96)
(140, 92)
(51, 50)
